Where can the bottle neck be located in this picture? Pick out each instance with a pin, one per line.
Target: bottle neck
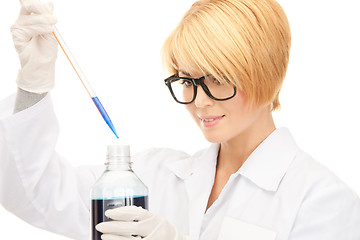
(118, 163)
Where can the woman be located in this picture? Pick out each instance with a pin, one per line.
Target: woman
(227, 61)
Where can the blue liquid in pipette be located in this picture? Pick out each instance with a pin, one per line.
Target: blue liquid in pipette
(104, 115)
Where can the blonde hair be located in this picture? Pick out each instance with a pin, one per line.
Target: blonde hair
(244, 42)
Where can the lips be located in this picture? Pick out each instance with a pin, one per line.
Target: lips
(210, 121)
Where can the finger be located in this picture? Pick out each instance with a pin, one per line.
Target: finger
(43, 19)
(115, 237)
(21, 35)
(50, 7)
(36, 26)
(128, 213)
(36, 7)
(119, 228)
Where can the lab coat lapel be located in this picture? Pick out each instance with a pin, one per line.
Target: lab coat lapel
(198, 173)
(199, 186)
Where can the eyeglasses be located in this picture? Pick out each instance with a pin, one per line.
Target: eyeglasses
(184, 89)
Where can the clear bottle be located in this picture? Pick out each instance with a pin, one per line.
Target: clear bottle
(118, 186)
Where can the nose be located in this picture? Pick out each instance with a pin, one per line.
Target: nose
(202, 99)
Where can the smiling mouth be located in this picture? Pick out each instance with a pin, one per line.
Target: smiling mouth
(210, 121)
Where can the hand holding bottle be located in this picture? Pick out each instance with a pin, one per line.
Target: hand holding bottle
(133, 221)
(117, 186)
(36, 46)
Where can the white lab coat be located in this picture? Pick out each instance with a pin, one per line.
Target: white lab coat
(280, 193)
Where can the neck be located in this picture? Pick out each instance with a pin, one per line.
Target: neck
(233, 153)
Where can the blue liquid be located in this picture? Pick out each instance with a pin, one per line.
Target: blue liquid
(104, 115)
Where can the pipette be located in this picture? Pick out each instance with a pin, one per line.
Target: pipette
(83, 79)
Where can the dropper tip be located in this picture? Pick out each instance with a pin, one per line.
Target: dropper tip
(114, 131)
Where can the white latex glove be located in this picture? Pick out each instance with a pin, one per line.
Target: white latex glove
(36, 46)
(133, 222)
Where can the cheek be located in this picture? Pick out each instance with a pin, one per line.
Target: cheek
(191, 109)
(237, 105)
(240, 114)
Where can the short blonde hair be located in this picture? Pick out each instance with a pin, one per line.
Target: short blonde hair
(244, 42)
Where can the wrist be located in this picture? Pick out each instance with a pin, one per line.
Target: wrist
(25, 99)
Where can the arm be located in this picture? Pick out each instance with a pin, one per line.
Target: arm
(36, 183)
(329, 212)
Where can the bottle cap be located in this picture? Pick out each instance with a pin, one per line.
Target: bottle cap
(118, 153)
(118, 150)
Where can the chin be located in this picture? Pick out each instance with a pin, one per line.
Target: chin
(214, 138)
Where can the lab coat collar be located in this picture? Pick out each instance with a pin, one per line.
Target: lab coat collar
(265, 167)
(269, 162)
(204, 159)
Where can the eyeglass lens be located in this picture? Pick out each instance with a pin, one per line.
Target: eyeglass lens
(183, 89)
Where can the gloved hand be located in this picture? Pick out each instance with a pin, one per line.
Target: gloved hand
(133, 222)
(36, 46)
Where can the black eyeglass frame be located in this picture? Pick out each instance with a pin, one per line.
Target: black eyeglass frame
(196, 82)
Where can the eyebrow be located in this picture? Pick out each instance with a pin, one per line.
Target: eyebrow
(185, 73)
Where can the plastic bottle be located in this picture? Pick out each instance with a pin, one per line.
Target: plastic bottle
(118, 186)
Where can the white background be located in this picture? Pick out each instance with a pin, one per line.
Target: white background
(117, 44)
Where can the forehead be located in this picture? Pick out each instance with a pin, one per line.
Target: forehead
(188, 69)
(191, 74)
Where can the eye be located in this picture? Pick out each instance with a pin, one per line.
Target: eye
(214, 81)
(186, 83)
